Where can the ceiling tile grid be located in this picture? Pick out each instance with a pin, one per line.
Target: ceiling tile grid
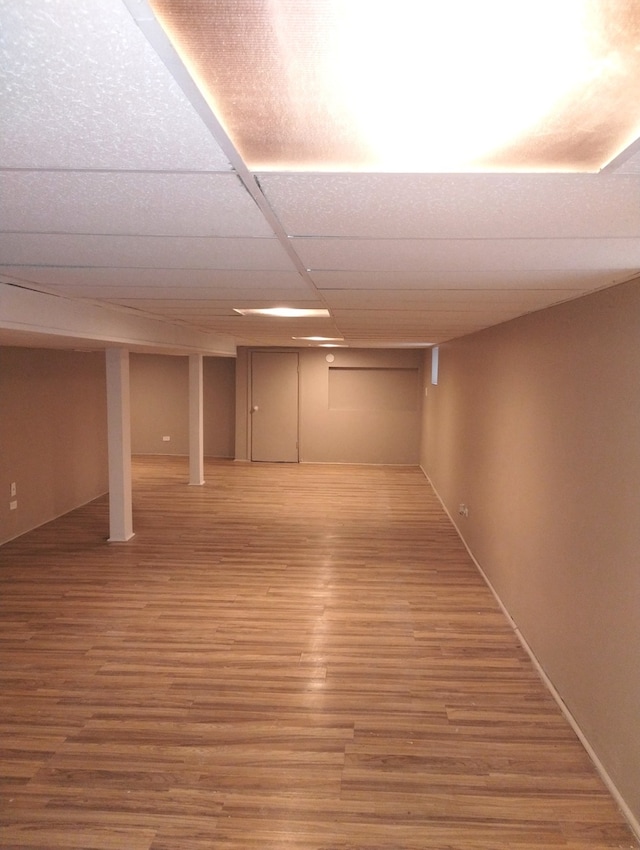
(116, 187)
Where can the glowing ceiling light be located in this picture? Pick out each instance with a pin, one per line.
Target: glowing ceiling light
(416, 85)
(320, 338)
(464, 79)
(283, 312)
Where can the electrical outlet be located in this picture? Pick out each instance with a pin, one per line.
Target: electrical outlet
(463, 510)
(166, 439)
(13, 489)
(13, 505)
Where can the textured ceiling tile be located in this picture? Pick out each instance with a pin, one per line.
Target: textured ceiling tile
(454, 205)
(278, 332)
(423, 318)
(468, 254)
(184, 279)
(142, 251)
(495, 299)
(138, 203)
(577, 279)
(82, 88)
(185, 295)
(203, 306)
(629, 166)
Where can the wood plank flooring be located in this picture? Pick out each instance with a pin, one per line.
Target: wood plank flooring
(292, 656)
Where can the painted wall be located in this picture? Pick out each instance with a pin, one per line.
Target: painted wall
(53, 434)
(534, 425)
(160, 405)
(219, 392)
(364, 407)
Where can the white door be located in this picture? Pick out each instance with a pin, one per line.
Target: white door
(274, 406)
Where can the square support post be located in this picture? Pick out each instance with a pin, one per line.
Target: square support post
(119, 445)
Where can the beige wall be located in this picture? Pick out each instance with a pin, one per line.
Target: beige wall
(364, 407)
(160, 405)
(53, 434)
(219, 390)
(534, 425)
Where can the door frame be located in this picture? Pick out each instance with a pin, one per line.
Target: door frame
(249, 413)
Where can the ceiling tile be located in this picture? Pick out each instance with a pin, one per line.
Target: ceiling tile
(153, 203)
(424, 319)
(468, 254)
(627, 162)
(147, 251)
(631, 166)
(185, 295)
(257, 281)
(419, 206)
(579, 279)
(202, 306)
(84, 89)
(114, 189)
(462, 299)
(277, 332)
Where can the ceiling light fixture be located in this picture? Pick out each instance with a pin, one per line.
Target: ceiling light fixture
(352, 85)
(320, 338)
(284, 312)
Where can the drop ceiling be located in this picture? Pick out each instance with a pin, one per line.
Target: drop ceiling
(121, 184)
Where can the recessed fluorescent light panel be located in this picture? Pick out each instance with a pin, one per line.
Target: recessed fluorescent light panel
(320, 338)
(351, 85)
(284, 312)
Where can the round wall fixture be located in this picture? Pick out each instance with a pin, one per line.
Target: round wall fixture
(330, 358)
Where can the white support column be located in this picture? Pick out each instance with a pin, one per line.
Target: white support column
(119, 442)
(196, 420)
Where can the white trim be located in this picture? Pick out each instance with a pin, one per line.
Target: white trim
(119, 445)
(196, 421)
(633, 822)
(40, 523)
(24, 310)
(435, 367)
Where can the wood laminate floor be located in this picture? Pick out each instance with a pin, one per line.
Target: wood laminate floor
(292, 656)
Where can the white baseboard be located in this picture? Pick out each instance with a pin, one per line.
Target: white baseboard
(608, 781)
(53, 518)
